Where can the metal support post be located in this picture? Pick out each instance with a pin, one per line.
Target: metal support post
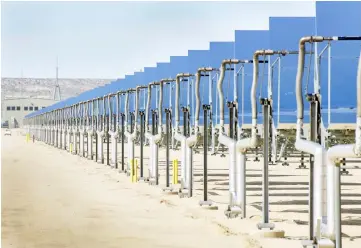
(314, 131)
(185, 121)
(142, 117)
(265, 193)
(167, 131)
(116, 142)
(122, 135)
(102, 138)
(302, 165)
(343, 170)
(96, 140)
(205, 201)
(107, 135)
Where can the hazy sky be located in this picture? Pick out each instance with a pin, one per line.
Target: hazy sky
(110, 39)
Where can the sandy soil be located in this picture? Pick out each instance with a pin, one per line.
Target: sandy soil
(51, 198)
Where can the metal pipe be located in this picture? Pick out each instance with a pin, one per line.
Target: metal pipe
(359, 88)
(333, 190)
(148, 106)
(197, 92)
(235, 183)
(126, 110)
(198, 98)
(299, 78)
(308, 146)
(137, 89)
(154, 139)
(192, 140)
(133, 134)
(358, 127)
(129, 133)
(329, 85)
(279, 92)
(177, 96)
(141, 143)
(254, 87)
(220, 89)
(160, 108)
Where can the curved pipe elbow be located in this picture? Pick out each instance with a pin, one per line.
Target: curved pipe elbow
(157, 138)
(309, 147)
(341, 151)
(148, 135)
(114, 134)
(177, 93)
(254, 85)
(192, 140)
(227, 141)
(131, 136)
(197, 93)
(300, 70)
(179, 137)
(230, 61)
(101, 133)
(220, 89)
(220, 94)
(244, 144)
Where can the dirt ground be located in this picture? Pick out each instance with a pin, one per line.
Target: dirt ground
(51, 198)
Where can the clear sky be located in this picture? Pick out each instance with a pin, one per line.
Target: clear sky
(111, 39)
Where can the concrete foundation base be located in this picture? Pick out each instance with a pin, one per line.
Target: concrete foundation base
(233, 212)
(261, 226)
(270, 234)
(208, 205)
(170, 190)
(183, 193)
(143, 179)
(308, 243)
(323, 243)
(152, 181)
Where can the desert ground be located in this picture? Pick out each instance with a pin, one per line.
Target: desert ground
(51, 198)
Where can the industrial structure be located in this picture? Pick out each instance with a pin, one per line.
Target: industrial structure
(14, 110)
(251, 94)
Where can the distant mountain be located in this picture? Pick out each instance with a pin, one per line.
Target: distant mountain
(44, 87)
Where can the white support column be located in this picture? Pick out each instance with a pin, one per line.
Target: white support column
(74, 131)
(100, 146)
(114, 148)
(90, 142)
(81, 141)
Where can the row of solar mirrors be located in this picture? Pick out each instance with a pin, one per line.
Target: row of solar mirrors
(251, 94)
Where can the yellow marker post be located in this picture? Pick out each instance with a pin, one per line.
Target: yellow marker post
(132, 170)
(135, 171)
(71, 147)
(27, 137)
(175, 171)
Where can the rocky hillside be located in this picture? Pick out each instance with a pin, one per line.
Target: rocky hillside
(44, 87)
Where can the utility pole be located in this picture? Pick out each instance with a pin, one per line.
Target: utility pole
(57, 87)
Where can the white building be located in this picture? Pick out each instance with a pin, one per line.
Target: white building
(13, 110)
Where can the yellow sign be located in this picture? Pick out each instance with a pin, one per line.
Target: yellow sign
(134, 170)
(175, 171)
